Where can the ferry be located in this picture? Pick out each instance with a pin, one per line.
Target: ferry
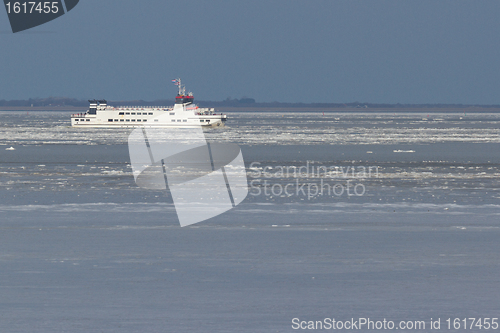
(184, 113)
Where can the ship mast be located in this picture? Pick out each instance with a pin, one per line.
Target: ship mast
(182, 89)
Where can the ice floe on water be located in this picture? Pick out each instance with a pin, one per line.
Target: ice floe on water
(273, 128)
(442, 160)
(403, 151)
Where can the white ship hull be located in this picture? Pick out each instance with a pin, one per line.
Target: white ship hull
(179, 116)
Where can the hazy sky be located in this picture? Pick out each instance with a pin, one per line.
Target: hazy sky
(392, 51)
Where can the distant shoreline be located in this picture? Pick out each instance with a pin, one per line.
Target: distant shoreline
(458, 110)
(250, 105)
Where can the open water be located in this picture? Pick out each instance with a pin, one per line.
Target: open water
(383, 215)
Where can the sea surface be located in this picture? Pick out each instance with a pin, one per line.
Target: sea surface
(362, 215)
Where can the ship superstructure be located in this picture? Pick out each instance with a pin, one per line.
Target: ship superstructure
(184, 113)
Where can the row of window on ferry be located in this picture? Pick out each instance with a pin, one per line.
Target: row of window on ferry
(128, 120)
(144, 120)
(133, 113)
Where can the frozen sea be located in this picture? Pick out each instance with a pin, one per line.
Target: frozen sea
(410, 230)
